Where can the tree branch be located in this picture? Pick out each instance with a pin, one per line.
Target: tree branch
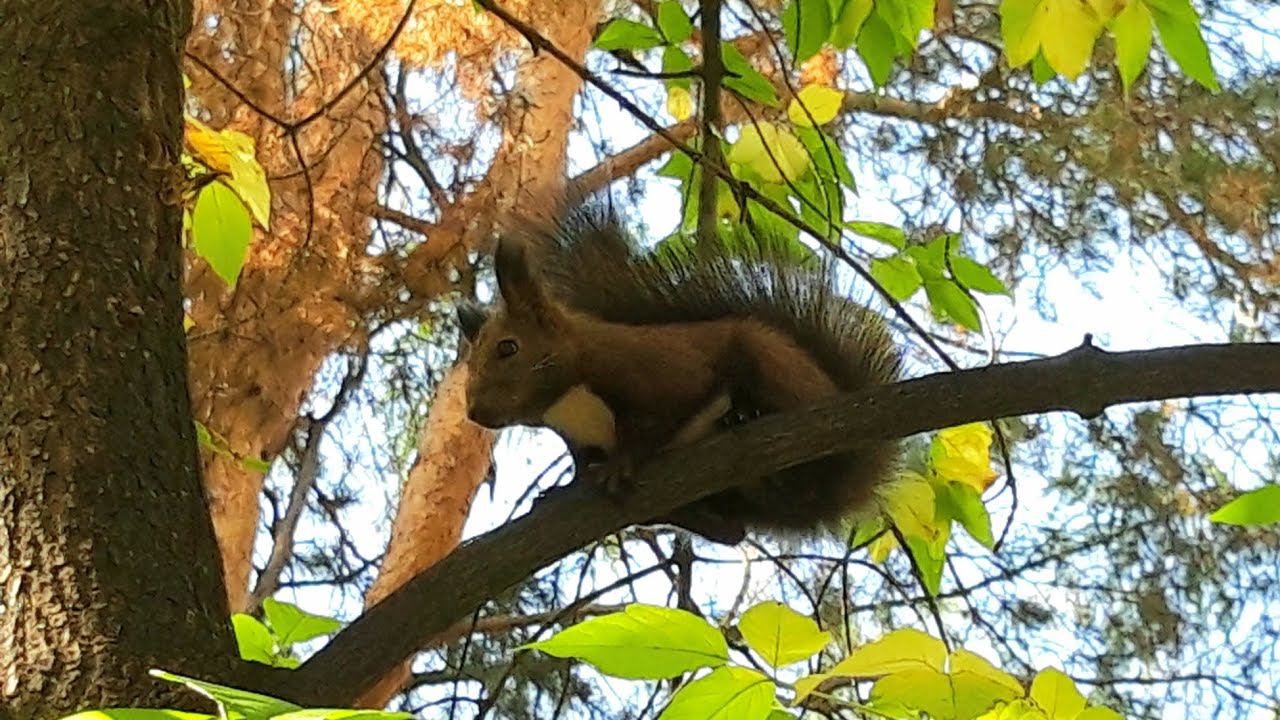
(1084, 381)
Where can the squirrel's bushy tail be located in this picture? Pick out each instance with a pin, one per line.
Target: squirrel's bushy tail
(590, 264)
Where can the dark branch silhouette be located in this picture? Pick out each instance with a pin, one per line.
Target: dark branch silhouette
(1084, 381)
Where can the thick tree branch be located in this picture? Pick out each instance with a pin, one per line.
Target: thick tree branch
(1084, 381)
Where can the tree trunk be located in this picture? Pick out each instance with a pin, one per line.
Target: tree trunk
(108, 563)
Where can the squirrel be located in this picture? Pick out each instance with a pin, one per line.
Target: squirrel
(624, 353)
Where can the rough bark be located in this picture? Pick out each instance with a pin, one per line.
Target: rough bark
(255, 351)
(108, 563)
(453, 459)
(528, 172)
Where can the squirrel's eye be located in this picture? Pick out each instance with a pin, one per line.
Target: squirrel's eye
(507, 348)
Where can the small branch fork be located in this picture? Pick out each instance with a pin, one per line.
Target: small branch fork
(1084, 381)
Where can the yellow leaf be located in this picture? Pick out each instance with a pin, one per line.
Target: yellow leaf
(187, 322)
(208, 145)
(781, 635)
(1064, 30)
(823, 103)
(963, 454)
(1057, 695)
(806, 685)
(679, 103)
(881, 547)
(770, 152)
(900, 650)
(910, 502)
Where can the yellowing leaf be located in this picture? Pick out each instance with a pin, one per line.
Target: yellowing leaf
(806, 685)
(1260, 507)
(770, 152)
(880, 548)
(781, 635)
(221, 230)
(1016, 710)
(905, 649)
(137, 714)
(643, 642)
(187, 322)
(1069, 30)
(1065, 30)
(1057, 695)
(233, 153)
(1132, 32)
(679, 103)
(923, 689)
(977, 670)
(823, 103)
(909, 501)
(727, 693)
(963, 453)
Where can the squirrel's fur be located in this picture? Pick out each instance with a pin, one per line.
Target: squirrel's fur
(629, 351)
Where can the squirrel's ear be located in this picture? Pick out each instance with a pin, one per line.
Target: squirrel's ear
(471, 317)
(520, 291)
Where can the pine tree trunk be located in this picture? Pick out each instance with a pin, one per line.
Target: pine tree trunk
(108, 564)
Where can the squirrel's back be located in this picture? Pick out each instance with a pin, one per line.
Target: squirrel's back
(589, 263)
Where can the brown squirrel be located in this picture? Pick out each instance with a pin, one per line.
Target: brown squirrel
(624, 353)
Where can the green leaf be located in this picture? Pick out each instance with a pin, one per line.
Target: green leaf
(848, 22)
(930, 555)
(137, 714)
(293, 625)
(770, 152)
(1021, 38)
(253, 639)
(748, 83)
(255, 464)
(877, 49)
(727, 693)
(974, 276)
(1132, 32)
(343, 714)
(1179, 27)
(221, 230)
(249, 181)
(781, 635)
(674, 22)
(968, 508)
(949, 301)
(904, 649)
(1040, 70)
(623, 34)
(1259, 507)
(806, 24)
(251, 705)
(827, 156)
(678, 166)
(643, 642)
(888, 234)
(897, 275)
(675, 60)
(1057, 695)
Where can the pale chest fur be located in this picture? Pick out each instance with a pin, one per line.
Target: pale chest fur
(583, 419)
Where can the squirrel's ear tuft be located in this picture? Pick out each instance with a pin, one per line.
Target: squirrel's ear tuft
(520, 290)
(471, 317)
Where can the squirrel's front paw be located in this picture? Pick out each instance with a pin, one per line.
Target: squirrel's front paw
(614, 476)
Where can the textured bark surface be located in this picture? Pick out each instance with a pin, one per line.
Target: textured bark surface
(108, 564)
(453, 459)
(453, 453)
(255, 351)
